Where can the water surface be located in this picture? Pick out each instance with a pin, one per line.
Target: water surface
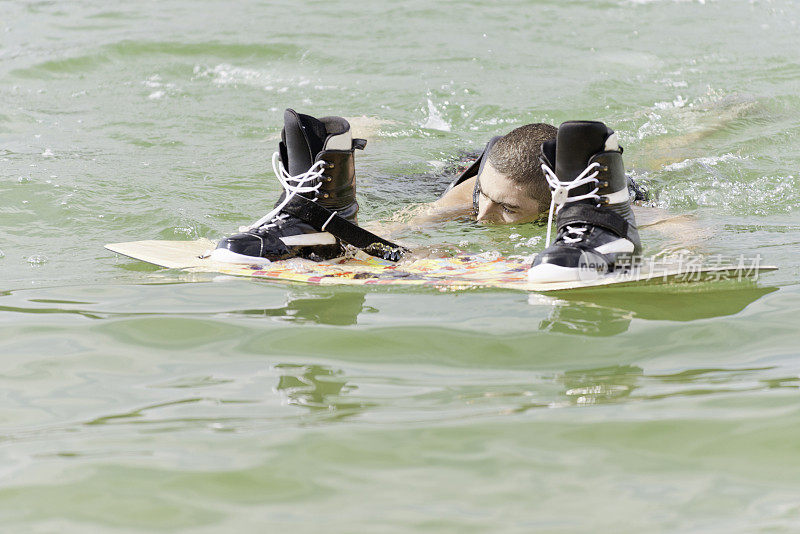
(144, 400)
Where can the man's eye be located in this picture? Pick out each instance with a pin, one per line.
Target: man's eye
(508, 210)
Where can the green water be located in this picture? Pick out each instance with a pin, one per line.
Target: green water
(142, 400)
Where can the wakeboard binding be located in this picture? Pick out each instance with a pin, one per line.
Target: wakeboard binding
(596, 230)
(315, 160)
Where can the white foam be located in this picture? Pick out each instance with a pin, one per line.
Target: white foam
(161, 88)
(711, 160)
(435, 121)
(532, 242)
(762, 196)
(227, 74)
(673, 83)
(489, 255)
(538, 299)
(679, 102)
(653, 126)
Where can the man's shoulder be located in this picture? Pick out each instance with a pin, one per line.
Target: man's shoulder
(458, 196)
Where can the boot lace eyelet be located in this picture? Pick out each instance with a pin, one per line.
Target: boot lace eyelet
(292, 185)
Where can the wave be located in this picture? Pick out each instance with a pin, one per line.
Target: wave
(131, 49)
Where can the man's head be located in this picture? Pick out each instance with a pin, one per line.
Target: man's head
(512, 186)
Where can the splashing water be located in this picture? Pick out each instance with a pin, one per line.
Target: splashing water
(435, 121)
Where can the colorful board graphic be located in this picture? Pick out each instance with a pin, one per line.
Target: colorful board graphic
(457, 272)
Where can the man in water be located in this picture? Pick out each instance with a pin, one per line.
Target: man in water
(315, 164)
(578, 167)
(505, 185)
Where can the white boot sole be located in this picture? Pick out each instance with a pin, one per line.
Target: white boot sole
(223, 255)
(547, 273)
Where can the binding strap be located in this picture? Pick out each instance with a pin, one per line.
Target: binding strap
(324, 220)
(476, 168)
(588, 214)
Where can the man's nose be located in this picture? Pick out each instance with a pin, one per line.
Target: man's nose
(486, 213)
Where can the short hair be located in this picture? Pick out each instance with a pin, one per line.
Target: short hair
(516, 155)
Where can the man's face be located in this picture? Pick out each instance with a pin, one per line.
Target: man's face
(502, 201)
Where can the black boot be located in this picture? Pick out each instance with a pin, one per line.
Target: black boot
(596, 228)
(315, 160)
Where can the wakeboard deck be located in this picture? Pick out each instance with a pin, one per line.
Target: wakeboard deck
(459, 272)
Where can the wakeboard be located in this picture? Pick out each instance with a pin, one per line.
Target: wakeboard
(464, 271)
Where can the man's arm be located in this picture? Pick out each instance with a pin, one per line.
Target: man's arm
(455, 203)
(680, 231)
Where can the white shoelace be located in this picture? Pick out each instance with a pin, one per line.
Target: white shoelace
(292, 185)
(577, 234)
(560, 196)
